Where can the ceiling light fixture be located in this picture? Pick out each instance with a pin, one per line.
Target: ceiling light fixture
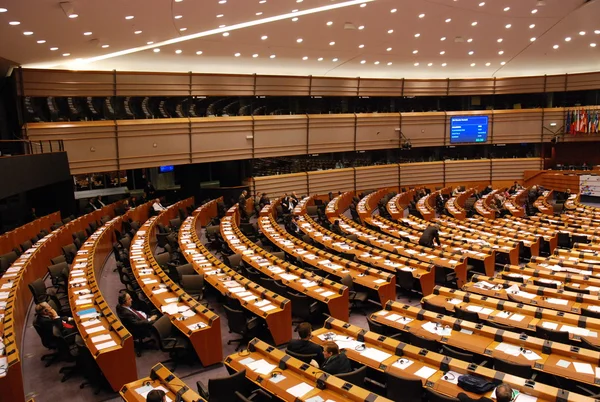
(361, 46)
(581, 33)
(444, 64)
(421, 15)
(259, 13)
(472, 64)
(264, 37)
(199, 52)
(471, 53)
(331, 43)
(443, 52)
(389, 49)
(156, 50)
(3, 10)
(294, 19)
(27, 33)
(390, 31)
(415, 51)
(178, 17)
(473, 23)
(329, 23)
(87, 33)
(488, 64)
(534, 11)
(429, 64)
(555, 47)
(299, 40)
(72, 16)
(393, 10)
(185, 29)
(568, 39)
(597, 31)
(360, 28)
(592, 45)
(305, 58)
(137, 32)
(53, 48)
(416, 64)
(499, 40)
(66, 54)
(178, 51)
(149, 43)
(363, 61)
(225, 34)
(335, 59)
(376, 63)
(501, 52)
(105, 46)
(502, 63)
(507, 26)
(448, 19)
(443, 38)
(14, 23)
(237, 54)
(389, 63)
(272, 56)
(417, 35)
(470, 40)
(222, 1)
(532, 39)
(363, 5)
(41, 41)
(506, 8)
(219, 15)
(130, 17)
(320, 59)
(482, 4)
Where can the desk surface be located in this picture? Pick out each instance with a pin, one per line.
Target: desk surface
(160, 378)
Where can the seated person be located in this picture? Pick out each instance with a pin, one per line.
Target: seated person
(134, 320)
(335, 362)
(504, 393)
(430, 234)
(156, 395)
(47, 318)
(157, 206)
(335, 228)
(304, 346)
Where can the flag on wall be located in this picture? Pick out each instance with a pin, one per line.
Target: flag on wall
(582, 121)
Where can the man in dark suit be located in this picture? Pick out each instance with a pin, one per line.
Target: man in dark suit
(133, 320)
(335, 362)
(47, 318)
(156, 395)
(133, 202)
(91, 206)
(429, 235)
(304, 345)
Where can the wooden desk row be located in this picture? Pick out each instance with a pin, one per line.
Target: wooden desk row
(543, 203)
(456, 204)
(333, 295)
(368, 203)
(483, 205)
(229, 283)
(555, 226)
(108, 340)
(162, 379)
(196, 322)
(531, 272)
(489, 342)
(381, 283)
(31, 265)
(399, 203)
(516, 202)
(384, 354)
(14, 238)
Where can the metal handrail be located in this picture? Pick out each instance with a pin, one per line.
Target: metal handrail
(28, 147)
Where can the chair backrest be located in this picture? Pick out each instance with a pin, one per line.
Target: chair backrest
(7, 259)
(520, 370)
(58, 259)
(376, 327)
(186, 269)
(427, 305)
(347, 281)
(424, 343)
(300, 305)
(457, 354)
(552, 285)
(236, 320)
(575, 289)
(501, 326)
(403, 388)
(163, 259)
(162, 328)
(551, 335)
(234, 260)
(38, 290)
(306, 358)
(279, 254)
(513, 278)
(192, 284)
(58, 269)
(212, 230)
(433, 396)
(466, 315)
(356, 377)
(223, 389)
(175, 223)
(405, 279)
(70, 250)
(311, 210)
(26, 245)
(46, 336)
(590, 313)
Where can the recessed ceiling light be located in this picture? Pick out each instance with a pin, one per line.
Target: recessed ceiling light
(363, 61)
(448, 19)
(473, 23)
(568, 39)
(416, 64)
(156, 50)
(178, 17)
(472, 64)
(299, 1)
(87, 33)
(105, 46)
(534, 11)
(361, 46)
(331, 43)
(199, 52)
(299, 40)
(222, 1)
(499, 40)
(444, 64)
(502, 63)
(178, 1)
(27, 33)
(53, 48)
(443, 52)
(471, 53)
(14, 23)
(329, 23)
(429, 64)
(488, 64)
(592, 44)
(532, 39)
(360, 28)
(417, 35)
(443, 38)
(72, 16)
(389, 63)
(390, 31)
(531, 26)
(259, 13)
(272, 56)
(66, 54)
(363, 5)
(320, 59)
(376, 63)
(393, 10)
(470, 40)
(482, 4)
(264, 37)
(555, 47)
(262, 1)
(389, 49)
(225, 33)
(294, 19)
(149, 43)
(506, 8)
(295, 11)
(415, 51)
(237, 54)
(305, 58)
(508, 26)
(137, 32)
(178, 51)
(335, 59)
(219, 15)
(597, 31)
(130, 17)
(222, 26)
(501, 52)
(421, 15)
(581, 33)
(41, 41)
(3, 10)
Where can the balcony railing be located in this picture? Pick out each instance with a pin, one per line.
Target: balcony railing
(27, 147)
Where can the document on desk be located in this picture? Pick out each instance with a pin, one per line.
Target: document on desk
(262, 303)
(249, 298)
(261, 366)
(268, 307)
(327, 294)
(159, 291)
(575, 330)
(247, 361)
(530, 355)
(550, 325)
(375, 354)
(188, 313)
(169, 309)
(393, 317)
(94, 330)
(425, 372)
(517, 317)
(584, 368)
(563, 363)
(300, 390)
(403, 363)
(561, 302)
(378, 281)
(105, 345)
(508, 349)
(456, 301)
(288, 277)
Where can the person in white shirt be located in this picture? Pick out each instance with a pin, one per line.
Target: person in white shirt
(157, 206)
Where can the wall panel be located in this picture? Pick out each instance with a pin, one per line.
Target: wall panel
(512, 169)
(216, 139)
(379, 87)
(152, 84)
(474, 86)
(553, 124)
(277, 186)
(556, 83)
(280, 135)
(270, 85)
(67, 83)
(512, 126)
(376, 177)
(327, 86)
(421, 173)
(377, 131)
(414, 87)
(517, 85)
(331, 133)
(222, 85)
(156, 142)
(324, 181)
(462, 171)
(424, 129)
(583, 82)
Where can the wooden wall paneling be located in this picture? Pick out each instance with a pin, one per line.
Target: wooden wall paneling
(431, 173)
(91, 146)
(329, 86)
(153, 84)
(377, 131)
(553, 124)
(331, 133)
(469, 173)
(324, 181)
(376, 177)
(271, 85)
(516, 126)
(67, 83)
(280, 135)
(221, 139)
(278, 185)
(512, 169)
(471, 86)
(222, 85)
(149, 143)
(556, 83)
(517, 85)
(583, 82)
(424, 129)
(414, 87)
(380, 87)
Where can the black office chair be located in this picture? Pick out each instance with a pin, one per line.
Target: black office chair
(49, 343)
(306, 358)
(357, 299)
(304, 308)
(590, 313)
(356, 377)
(581, 239)
(403, 389)
(520, 370)
(239, 324)
(588, 345)
(433, 396)
(193, 285)
(552, 335)
(466, 315)
(458, 354)
(552, 285)
(140, 332)
(26, 245)
(223, 389)
(499, 325)
(6, 261)
(423, 343)
(175, 224)
(512, 278)
(185, 269)
(233, 261)
(408, 284)
(171, 342)
(376, 327)
(58, 259)
(427, 305)
(70, 250)
(569, 288)
(59, 274)
(256, 395)
(564, 240)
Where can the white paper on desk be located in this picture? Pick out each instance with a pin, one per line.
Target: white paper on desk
(487, 311)
(378, 281)
(425, 372)
(239, 289)
(531, 355)
(89, 323)
(248, 298)
(403, 363)
(393, 317)
(550, 325)
(188, 313)
(159, 291)
(261, 366)
(172, 300)
(169, 308)
(575, 330)
(375, 354)
(597, 372)
(452, 377)
(475, 309)
(404, 320)
(525, 295)
(563, 363)
(262, 303)
(300, 390)
(593, 288)
(517, 317)
(268, 308)
(94, 329)
(7, 285)
(514, 288)
(327, 294)
(466, 331)
(456, 301)
(525, 398)
(508, 349)
(316, 399)
(584, 368)
(101, 338)
(557, 301)
(288, 277)
(80, 302)
(247, 361)
(244, 294)
(105, 345)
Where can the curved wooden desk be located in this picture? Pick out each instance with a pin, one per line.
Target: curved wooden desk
(543, 204)
(15, 237)
(163, 379)
(516, 202)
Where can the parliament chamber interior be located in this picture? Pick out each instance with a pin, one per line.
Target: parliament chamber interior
(300, 200)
